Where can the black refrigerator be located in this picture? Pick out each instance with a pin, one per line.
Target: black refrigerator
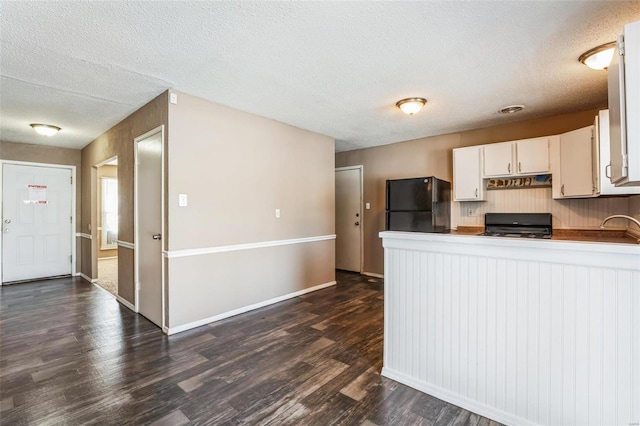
(418, 205)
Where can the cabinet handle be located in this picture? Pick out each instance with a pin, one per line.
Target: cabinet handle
(476, 192)
(519, 167)
(607, 171)
(509, 168)
(562, 189)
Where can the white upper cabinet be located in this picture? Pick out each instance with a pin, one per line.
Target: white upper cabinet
(467, 179)
(498, 159)
(532, 156)
(576, 177)
(523, 157)
(624, 108)
(603, 163)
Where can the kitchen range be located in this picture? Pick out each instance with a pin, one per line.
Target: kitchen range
(519, 225)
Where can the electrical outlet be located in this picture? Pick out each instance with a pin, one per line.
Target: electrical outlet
(277, 213)
(472, 212)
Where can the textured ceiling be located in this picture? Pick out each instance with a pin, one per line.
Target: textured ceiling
(335, 68)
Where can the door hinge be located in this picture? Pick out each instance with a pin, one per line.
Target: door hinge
(71, 178)
(70, 258)
(70, 219)
(621, 46)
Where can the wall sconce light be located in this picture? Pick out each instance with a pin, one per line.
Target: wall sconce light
(411, 105)
(599, 57)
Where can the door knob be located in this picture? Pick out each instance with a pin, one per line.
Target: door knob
(7, 221)
(357, 214)
(6, 229)
(157, 237)
(357, 224)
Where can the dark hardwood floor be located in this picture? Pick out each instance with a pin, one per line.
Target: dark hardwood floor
(70, 354)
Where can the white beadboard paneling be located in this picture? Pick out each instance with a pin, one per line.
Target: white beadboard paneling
(542, 338)
(571, 213)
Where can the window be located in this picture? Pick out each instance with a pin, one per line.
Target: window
(109, 230)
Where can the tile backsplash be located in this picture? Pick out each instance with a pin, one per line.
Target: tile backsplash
(583, 213)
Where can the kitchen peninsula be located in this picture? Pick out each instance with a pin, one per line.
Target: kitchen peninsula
(521, 331)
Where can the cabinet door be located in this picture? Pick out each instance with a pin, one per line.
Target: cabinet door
(532, 156)
(467, 181)
(603, 172)
(498, 159)
(576, 163)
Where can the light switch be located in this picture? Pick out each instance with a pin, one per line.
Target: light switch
(367, 206)
(277, 213)
(173, 98)
(182, 200)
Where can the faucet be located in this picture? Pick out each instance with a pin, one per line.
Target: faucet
(620, 216)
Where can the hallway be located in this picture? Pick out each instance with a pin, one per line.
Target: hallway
(72, 355)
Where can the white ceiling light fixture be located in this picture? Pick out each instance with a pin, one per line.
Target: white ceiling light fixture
(599, 57)
(411, 105)
(45, 129)
(511, 109)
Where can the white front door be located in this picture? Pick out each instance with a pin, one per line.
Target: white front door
(348, 218)
(36, 222)
(149, 225)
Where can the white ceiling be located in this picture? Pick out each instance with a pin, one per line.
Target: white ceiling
(335, 68)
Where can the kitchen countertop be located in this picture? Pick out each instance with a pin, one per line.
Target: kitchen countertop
(587, 235)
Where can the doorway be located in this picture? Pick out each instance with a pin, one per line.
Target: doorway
(107, 225)
(349, 218)
(38, 221)
(149, 225)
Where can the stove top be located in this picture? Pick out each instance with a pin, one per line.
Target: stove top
(517, 235)
(518, 225)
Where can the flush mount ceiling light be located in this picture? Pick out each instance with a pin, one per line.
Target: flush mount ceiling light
(45, 129)
(411, 105)
(599, 57)
(511, 109)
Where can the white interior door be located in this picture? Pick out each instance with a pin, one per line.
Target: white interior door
(36, 222)
(149, 226)
(348, 219)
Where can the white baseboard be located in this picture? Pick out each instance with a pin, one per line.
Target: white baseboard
(86, 278)
(194, 324)
(126, 303)
(373, 274)
(455, 399)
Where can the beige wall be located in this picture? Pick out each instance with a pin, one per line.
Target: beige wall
(50, 155)
(236, 169)
(104, 171)
(117, 141)
(432, 156)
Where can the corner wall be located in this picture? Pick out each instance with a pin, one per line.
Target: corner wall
(117, 141)
(432, 156)
(226, 249)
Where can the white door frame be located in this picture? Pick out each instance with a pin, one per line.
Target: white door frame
(73, 235)
(361, 168)
(136, 228)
